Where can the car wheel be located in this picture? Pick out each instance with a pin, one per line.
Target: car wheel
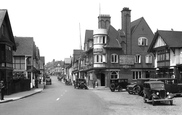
(171, 102)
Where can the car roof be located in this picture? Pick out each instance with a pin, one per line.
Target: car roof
(162, 78)
(150, 82)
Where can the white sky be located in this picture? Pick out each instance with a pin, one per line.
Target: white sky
(54, 24)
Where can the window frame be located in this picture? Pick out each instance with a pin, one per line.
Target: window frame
(138, 58)
(148, 59)
(142, 41)
(114, 58)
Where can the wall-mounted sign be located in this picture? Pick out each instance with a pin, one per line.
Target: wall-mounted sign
(126, 59)
(98, 49)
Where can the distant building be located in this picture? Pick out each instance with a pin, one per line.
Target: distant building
(26, 60)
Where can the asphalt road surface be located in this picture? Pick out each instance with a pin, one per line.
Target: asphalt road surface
(58, 99)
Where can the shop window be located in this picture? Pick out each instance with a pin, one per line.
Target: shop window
(114, 75)
(137, 74)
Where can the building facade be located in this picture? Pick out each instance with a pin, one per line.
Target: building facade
(110, 53)
(26, 63)
(166, 47)
(7, 46)
(136, 38)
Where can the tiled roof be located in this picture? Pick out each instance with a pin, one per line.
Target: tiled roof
(172, 38)
(4, 16)
(135, 23)
(114, 38)
(25, 46)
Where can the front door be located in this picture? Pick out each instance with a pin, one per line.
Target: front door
(102, 79)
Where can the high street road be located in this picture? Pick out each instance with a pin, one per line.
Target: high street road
(57, 99)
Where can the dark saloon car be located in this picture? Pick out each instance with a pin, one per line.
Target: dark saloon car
(80, 84)
(118, 84)
(171, 85)
(154, 91)
(137, 86)
(48, 81)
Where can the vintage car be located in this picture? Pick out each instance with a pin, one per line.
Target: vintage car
(137, 86)
(154, 91)
(171, 85)
(130, 88)
(48, 80)
(118, 84)
(80, 84)
(68, 82)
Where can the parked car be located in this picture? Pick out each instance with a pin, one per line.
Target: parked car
(80, 84)
(137, 87)
(130, 88)
(171, 85)
(118, 84)
(68, 82)
(48, 81)
(154, 91)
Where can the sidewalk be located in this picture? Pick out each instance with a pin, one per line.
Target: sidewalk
(20, 95)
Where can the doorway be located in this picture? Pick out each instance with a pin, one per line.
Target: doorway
(102, 79)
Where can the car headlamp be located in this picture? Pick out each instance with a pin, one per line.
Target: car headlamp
(157, 93)
(167, 93)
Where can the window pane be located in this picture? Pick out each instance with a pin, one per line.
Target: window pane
(22, 66)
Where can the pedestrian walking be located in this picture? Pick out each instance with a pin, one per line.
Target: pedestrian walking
(2, 89)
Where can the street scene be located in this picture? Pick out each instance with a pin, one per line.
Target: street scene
(90, 57)
(61, 99)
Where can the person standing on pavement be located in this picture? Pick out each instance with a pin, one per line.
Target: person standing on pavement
(2, 89)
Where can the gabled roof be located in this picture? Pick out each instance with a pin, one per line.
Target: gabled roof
(114, 38)
(76, 54)
(4, 18)
(25, 46)
(135, 23)
(173, 39)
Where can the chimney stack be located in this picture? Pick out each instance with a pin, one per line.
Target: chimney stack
(126, 27)
(103, 21)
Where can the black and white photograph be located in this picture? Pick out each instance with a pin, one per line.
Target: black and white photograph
(90, 57)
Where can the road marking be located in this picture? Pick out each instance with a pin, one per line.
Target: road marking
(57, 99)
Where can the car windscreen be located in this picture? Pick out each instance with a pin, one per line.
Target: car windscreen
(157, 85)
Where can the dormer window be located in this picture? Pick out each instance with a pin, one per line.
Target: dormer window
(142, 41)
